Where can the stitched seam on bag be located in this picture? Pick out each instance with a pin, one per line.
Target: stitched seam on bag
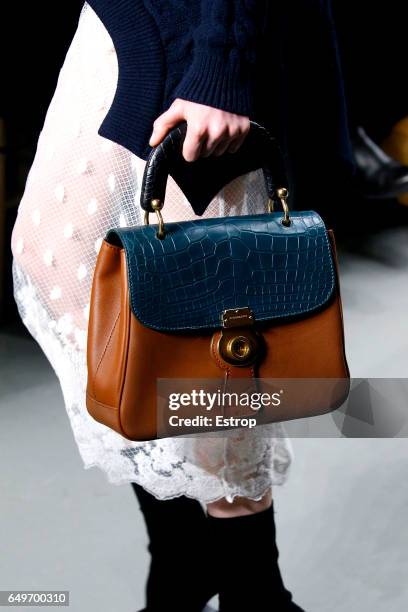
(112, 246)
(221, 363)
(333, 250)
(122, 386)
(104, 351)
(101, 403)
(217, 359)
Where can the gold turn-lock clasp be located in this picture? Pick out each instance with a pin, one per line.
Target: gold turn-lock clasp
(239, 343)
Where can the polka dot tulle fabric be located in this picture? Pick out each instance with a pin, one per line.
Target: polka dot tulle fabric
(79, 186)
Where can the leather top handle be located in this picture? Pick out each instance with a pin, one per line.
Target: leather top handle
(202, 179)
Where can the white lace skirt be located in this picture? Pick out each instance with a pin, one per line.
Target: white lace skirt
(79, 185)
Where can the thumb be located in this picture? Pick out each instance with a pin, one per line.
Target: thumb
(167, 120)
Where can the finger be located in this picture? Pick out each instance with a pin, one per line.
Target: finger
(236, 143)
(215, 137)
(165, 122)
(193, 144)
(213, 141)
(222, 147)
(208, 147)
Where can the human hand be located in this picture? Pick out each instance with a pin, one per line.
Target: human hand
(210, 131)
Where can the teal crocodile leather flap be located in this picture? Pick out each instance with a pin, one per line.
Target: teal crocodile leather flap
(203, 267)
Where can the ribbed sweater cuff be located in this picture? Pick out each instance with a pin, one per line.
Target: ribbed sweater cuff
(215, 81)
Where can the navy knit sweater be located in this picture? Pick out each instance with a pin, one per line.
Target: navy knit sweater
(199, 50)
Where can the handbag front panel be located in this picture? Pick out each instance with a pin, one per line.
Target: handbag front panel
(123, 394)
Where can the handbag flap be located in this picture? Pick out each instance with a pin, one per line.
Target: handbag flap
(206, 266)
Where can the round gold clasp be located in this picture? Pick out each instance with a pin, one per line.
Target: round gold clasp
(239, 348)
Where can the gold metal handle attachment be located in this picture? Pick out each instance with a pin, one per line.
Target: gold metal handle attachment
(157, 205)
(283, 195)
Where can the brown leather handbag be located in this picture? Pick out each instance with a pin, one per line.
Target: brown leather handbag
(251, 298)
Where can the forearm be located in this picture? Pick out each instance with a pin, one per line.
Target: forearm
(224, 55)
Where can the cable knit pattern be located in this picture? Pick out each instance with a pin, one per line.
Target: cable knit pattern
(175, 21)
(225, 42)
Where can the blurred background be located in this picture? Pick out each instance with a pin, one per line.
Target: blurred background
(341, 515)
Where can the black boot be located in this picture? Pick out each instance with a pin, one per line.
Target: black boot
(245, 551)
(180, 576)
(378, 175)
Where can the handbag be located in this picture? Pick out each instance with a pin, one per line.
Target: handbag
(237, 299)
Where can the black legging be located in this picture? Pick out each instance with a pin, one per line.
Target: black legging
(180, 560)
(194, 556)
